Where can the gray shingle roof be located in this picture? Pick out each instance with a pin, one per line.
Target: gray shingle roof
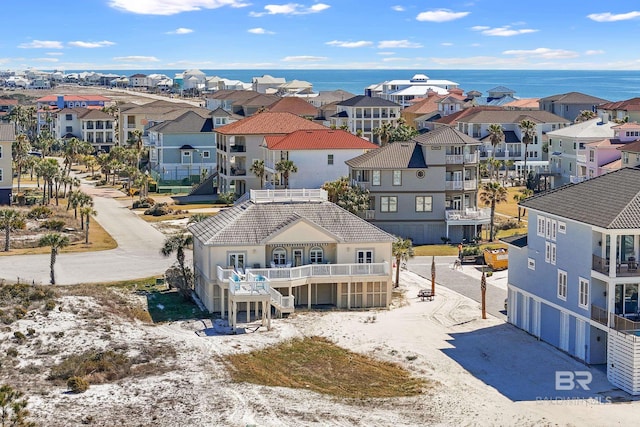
(7, 133)
(189, 122)
(512, 116)
(367, 101)
(250, 224)
(397, 155)
(610, 201)
(574, 98)
(445, 135)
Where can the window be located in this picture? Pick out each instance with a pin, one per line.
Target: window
(316, 255)
(236, 260)
(375, 177)
(388, 204)
(0, 151)
(592, 155)
(554, 229)
(583, 297)
(206, 154)
(279, 256)
(423, 203)
(0, 175)
(562, 227)
(329, 159)
(68, 117)
(625, 157)
(548, 229)
(541, 223)
(364, 256)
(531, 263)
(562, 285)
(69, 129)
(397, 177)
(553, 253)
(186, 153)
(547, 252)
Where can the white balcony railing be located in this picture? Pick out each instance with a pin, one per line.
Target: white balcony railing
(468, 214)
(303, 194)
(458, 159)
(470, 184)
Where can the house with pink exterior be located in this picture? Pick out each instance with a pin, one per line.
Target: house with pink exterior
(605, 156)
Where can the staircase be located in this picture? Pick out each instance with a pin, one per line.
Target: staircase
(206, 188)
(281, 303)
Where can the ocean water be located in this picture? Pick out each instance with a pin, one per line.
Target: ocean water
(609, 85)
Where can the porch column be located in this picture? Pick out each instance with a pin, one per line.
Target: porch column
(611, 301)
(349, 295)
(234, 308)
(269, 315)
(447, 234)
(309, 296)
(248, 306)
(256, 311)
(264, 313)
(222, 308)
(613, 252)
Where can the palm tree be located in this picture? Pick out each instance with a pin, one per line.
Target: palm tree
(136, 144)
(585, 115)
(384, 133)
(9, 219)
(47, 169)
(257, 168)
(57, 241)
(286, 167)
(87, 212)
(402, 250)
(198, 217)
(496, 136)
(492, 194)
(528, 131)
(20, 151)
(524, 194)
(178, 243)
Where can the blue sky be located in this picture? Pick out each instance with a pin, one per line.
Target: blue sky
(325, 34)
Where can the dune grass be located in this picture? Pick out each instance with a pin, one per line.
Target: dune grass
(315, 363)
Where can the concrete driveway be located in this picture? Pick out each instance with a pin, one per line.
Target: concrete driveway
(137, 255)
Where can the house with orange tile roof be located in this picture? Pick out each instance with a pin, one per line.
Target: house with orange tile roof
(6, 105)
(294, 105)
(239, 144)
(319, 155)
(421, 113)
(50, 104)
(628, 110)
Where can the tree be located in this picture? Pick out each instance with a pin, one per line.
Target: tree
(585, 115)
(178, 243)
(496, 136)
(13, 408)
(47, 169)
(20, 152)
(384, 133)
(257, 168)
(227, 198)
(10, 219)
(402, 250)
(286, 167)
(198, 217)
(528, 131)
(57, 241)
(347, 196)
(492, 193)
(521, 197)
(403, 132)
(87, 212)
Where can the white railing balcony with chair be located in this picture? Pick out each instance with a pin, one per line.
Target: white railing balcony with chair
(468, 214)
(322, 270)
(289, 195)
(469, 184)
(458, 159)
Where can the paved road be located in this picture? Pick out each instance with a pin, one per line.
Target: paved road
(465, 282)
(137, 255)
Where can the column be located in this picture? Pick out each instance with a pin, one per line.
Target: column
(309, 296)
(222, 307)
(269, 315)
(248, 306)
(349, 295)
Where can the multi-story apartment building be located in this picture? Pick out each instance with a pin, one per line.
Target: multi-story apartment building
(362, 114)
(403, 91)
(239, 144)
(93, 126)
(569, 105)
(7, 136)
(47, 105)
(287, 249)
(425, 189)
(573, 279)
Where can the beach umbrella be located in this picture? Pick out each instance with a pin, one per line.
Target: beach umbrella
(483, 289)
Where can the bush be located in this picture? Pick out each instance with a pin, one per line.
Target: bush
(19, 336)
(53, 224)
(77, 385)
(507, 225)
(12, 352)
(40, 212)
(49, 305)
(144, 203)
(471, 250)
(159, 209)
(19, 312)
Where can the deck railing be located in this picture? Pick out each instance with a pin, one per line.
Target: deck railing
(284, 303)
(479, 214)
(623, 324)
(599, 314)
(323, 270)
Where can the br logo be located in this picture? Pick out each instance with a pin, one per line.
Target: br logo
(570, 380)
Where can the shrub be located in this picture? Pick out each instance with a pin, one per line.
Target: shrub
(53, 224)
(19, 312)
(77, 385)
(31, 332)
(50, 305)
(445, 240)
(471, 250)
(159, 209)
(19, 336)
(507, 225)
(40, 212)
(12, 352)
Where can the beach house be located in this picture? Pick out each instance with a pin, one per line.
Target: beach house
(287, 249)
(7, 136)
(361, 114)
(573, 280)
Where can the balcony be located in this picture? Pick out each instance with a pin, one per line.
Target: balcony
(620, 323)
(238, 171)
(470, 184)
(237, 149)
(459, 159)
(469, 214)
(627, 268)
(330, 272)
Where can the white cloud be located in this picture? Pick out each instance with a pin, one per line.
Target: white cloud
(181, 31)
(290, 9)
(45, 59)
(171, 7)
(53, 53)
(543, 52)
(610, 17)
(395, 59)
(446, 44)
(398, 8)
(396, 44)
(91, 45)
(41, 44)
(259, 31)
(361, 43)
(136, 58)
(304, 58)
(505, 31)
(386, 53)
(594, 52)
(440, 15)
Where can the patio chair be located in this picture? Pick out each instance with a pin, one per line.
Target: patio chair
(273, 264)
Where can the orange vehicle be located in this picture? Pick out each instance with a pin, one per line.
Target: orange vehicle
(497, 259)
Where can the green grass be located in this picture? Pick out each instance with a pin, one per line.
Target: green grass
(168, 306)
(315, 363)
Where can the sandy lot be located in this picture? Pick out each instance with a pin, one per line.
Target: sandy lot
(485, 372)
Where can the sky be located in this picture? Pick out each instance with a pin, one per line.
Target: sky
(325, 34)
